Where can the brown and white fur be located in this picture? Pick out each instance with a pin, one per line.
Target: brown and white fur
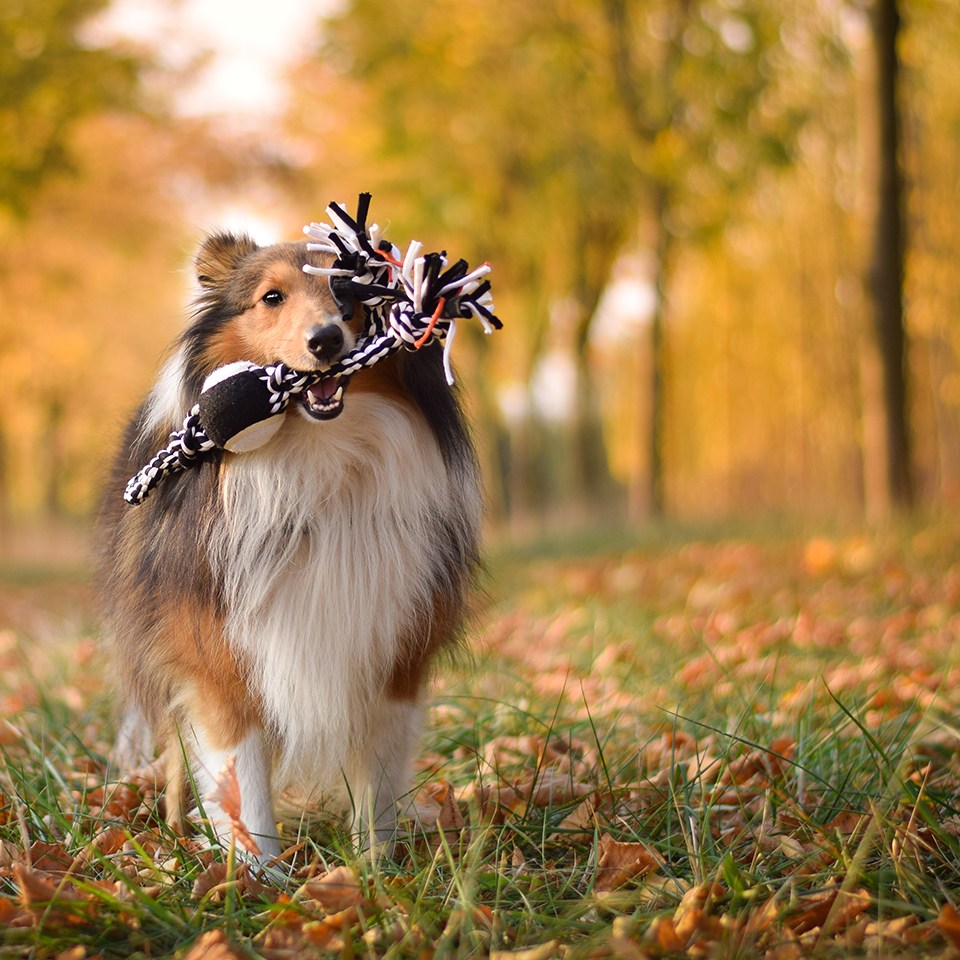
(284, 605)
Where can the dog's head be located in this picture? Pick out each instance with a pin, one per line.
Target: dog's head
(256, 303)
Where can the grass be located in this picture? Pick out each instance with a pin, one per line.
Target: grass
(662, 747)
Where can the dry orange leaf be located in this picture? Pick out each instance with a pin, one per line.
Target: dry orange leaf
(78, 952)
(551, 787)
(336, 890)
(215, 876)
(35, 888)
(542, 951)
(948, 922)
(13, 916)
(57, 902)
(436, 807)
(814, 909)
(619, 862)
(213, 945)
(663, 935)
(49, 857)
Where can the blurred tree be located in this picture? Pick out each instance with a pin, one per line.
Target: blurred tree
(929, 54)
(891, 449)
(50, 77)
(697, 82)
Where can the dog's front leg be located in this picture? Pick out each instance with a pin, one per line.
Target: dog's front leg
(252, 761)
(386, 789)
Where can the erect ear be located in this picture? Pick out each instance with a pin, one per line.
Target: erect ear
(219, 255)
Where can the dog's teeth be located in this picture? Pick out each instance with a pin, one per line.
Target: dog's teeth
(338, 395)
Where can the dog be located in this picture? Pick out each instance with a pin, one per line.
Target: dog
(284, 606)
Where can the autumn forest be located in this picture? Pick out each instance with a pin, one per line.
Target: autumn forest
(721, 232)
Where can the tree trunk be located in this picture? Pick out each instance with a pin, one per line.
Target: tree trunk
(886, 272)
(656, 496)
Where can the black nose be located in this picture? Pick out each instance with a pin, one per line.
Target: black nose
(324, 342)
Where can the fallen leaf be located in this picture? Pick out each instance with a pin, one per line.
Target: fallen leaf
(336, 890)
(619, 862)
(542, 951)
(11, 914)
(10, 854)
(213, 882)
(213, 945)
(78, 952)
(948, 923)
(49, 857)
(552, 788)
(578, 824)
(35, 888)
(663, 935)
(436, 808)
(57, 902)
(814, 909)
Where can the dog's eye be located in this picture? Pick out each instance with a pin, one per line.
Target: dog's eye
(272, 298)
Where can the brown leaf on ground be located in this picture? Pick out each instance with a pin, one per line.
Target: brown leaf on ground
(285, 943)
(49, 897)
(846, 823)
(12, 915)
(49, 857)
(693, 917)
(543, 951)
(496, 801)
(436, 807)
(578, 824)
(336, 890)
(505, 753)
(948, 923)
(619, 862)
(104, 844)
(213, 945)
(128, 798)
(328, 932)
(34, 887)
(763, 765)
(662, 935)
(79, 952)
(552, 788)
(214, 882)
(10, 854)
(840, 907)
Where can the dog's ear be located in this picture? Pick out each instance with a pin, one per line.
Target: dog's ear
(219, 255)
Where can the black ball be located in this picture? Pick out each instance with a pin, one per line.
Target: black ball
(236, 411)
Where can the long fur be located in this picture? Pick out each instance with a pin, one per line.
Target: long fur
(285, 604)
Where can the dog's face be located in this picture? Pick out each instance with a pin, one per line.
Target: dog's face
(269, 310)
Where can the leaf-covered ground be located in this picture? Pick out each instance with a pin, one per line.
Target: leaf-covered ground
(707, 748)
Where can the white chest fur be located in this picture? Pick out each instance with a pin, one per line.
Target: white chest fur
(327, 551)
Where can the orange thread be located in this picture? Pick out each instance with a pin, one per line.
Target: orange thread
(390, 258)
(433, 322)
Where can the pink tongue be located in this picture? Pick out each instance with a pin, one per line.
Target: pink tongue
(325, 389)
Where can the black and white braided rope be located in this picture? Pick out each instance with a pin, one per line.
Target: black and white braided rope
(409, 303)
(188, 445)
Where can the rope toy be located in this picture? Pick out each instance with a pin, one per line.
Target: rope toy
(409, 301)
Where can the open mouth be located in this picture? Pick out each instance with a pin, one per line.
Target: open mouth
(324, 400)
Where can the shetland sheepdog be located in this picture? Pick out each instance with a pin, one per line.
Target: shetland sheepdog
(284, 606)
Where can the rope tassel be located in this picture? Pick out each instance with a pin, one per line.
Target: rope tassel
(410, 300)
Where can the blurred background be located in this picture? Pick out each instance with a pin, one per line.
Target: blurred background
(724, 232)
